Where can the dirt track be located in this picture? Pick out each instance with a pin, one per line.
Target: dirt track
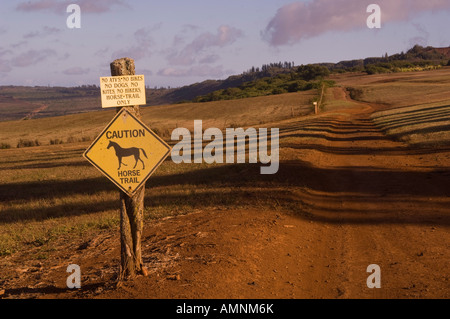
(360, 199)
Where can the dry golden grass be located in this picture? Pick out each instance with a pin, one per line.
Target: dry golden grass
(425, 124)
(401, 89)
(50, 191)
(163, 119)
(418, 104)
(334, 100)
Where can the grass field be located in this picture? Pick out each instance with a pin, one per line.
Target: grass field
(51, 191)
(417, 104)
(400, 89)
(12, 109)
(346, 195)
(163, 119)
(37, 102)
(417, 125)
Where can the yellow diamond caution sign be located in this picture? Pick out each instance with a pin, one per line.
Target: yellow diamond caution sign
(127, 152)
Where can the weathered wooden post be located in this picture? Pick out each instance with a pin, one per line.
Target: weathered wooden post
(131, 207)
(318, 104)
(124, 137)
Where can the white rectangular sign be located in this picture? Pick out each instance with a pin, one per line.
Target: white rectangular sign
(124, 90)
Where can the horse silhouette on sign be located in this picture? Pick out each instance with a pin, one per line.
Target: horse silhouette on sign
(125, 152)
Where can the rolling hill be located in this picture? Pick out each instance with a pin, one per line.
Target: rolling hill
(19, 102)
(365, 181)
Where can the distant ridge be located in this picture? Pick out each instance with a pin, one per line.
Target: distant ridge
(18, 102)
(415, 54)
(444, 51)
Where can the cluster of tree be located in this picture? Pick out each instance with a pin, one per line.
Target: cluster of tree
(82, 90)
(281, 77)
(271, 66)
(305, 77)
(418, 53)
(417, 58)
(401, 66)
(88, 86)
(156, 88)
(312, 71)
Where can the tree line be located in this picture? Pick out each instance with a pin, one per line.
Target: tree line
(267, 67)
(302, 78)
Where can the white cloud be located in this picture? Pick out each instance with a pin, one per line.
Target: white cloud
(46, 31)
(142, 46)
(32, 57)
(212, 58)
(4, 66)
(190, 53)
(301, 20)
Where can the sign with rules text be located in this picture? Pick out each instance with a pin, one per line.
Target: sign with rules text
(127, 152)
(118, 91)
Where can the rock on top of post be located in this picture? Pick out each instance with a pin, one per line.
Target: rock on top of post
(123, 66)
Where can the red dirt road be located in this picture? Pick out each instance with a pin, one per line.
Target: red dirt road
(355, 198)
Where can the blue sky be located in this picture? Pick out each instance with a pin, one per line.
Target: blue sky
(179, 42)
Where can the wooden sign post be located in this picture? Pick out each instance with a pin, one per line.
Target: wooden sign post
(131, 208)
(127, 141)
